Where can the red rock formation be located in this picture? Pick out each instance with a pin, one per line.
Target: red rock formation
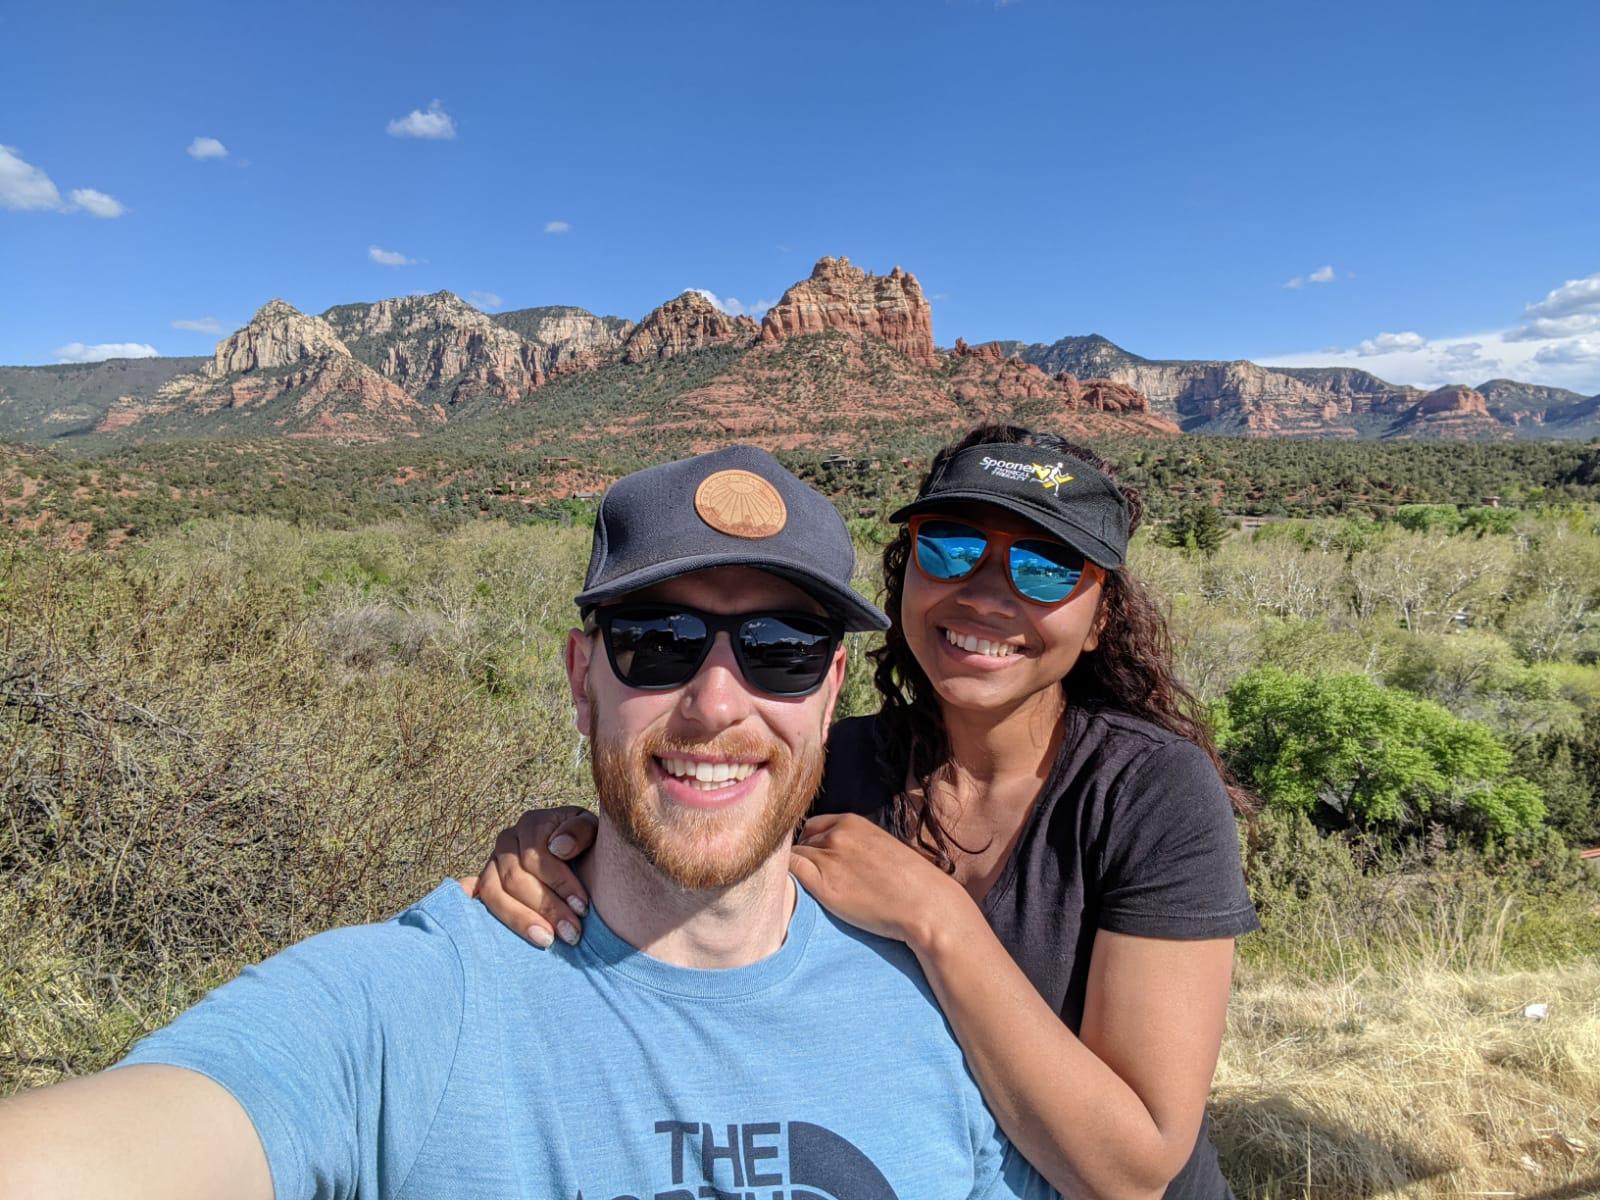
(987, 350)
(690, 322)
(1455, 400)
(840, 296)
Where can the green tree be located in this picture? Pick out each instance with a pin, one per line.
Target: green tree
(1349, 752)
(1197, 527)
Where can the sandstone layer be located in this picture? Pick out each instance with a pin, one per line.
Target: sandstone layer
(439, 348)
(846, 298)
(683, 325)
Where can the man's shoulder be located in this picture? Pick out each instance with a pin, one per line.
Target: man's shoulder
(851, 960)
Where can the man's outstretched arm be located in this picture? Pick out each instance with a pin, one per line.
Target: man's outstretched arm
(138, 1133)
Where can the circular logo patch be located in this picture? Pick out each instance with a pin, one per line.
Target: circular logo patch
(741, 504)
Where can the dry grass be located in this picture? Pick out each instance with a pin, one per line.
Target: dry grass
(1419, 1083)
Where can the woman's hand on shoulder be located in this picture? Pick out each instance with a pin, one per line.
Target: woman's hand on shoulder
(864, 875)
(527, 882)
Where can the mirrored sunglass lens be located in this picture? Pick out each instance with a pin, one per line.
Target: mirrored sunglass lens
(783, 655)
(1045, 571)
(656, 649)
(949, 550)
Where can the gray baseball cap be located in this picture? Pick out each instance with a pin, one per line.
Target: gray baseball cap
(736, 507)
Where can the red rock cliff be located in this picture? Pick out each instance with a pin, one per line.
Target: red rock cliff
(844, 297)
(690, 322)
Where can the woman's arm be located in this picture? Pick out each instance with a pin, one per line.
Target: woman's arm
(1111, 1116)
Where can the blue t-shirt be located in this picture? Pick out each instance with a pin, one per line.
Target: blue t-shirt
(437, 1055)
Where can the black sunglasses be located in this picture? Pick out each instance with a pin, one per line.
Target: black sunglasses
(653, 646)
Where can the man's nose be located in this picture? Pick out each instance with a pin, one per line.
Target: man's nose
(716, 698)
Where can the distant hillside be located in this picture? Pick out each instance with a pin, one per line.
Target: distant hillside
(843, 356)
(1244, 399)
(40, 404)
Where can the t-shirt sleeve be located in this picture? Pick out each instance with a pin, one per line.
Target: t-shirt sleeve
(1170, 865)
(339, 1049)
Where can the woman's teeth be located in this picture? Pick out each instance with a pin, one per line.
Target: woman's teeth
(979, 645)
(707, 776)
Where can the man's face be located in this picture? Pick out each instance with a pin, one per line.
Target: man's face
(648, 748)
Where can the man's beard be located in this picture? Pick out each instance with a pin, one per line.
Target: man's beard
(681, 842)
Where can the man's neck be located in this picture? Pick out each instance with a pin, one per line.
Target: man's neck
(721, 927)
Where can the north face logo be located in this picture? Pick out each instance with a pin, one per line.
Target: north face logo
(762, 1160)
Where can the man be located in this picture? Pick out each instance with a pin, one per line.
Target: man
(715, 1034)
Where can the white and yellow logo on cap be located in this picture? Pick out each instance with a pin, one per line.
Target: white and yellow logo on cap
(1047, 477)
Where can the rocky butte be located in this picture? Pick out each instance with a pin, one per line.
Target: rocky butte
(683, 325)
(844, 297)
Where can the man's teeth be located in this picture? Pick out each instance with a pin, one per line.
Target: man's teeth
(707, 775)
(979, 645)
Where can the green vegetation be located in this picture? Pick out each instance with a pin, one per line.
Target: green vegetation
(227, 732)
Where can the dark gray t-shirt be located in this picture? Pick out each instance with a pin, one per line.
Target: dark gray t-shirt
(1133, 833)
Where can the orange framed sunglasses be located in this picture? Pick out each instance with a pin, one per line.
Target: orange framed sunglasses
(1040, 570)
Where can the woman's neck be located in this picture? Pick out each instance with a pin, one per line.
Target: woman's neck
(990, 750)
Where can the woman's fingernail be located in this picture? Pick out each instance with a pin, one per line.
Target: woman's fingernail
(562, 845)
(577, 904)
(540, 937)
(568, 932)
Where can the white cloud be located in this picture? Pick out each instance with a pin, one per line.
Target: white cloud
(97, 204)
(24, 186)
(77, 352)
(1320, 275)
(200, 325)
(557, 227)
(1388, 343)
(484, 300)
(388, 258)
(433, 125)
(1577, 352)
(207, 147)
(1573, 296)
(732, 305)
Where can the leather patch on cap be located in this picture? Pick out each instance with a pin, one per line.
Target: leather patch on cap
(740, 503)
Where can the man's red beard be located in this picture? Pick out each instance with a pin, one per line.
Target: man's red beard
(681, 842)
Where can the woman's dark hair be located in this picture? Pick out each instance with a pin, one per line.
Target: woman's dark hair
(1131, 669)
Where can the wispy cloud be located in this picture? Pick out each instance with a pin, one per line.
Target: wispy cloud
(77, 352)
(557, 227)
(200, 325)
(1389, 343)
(388, 258)
(433, 125)
(207, 147)
(1571, 310)
(24, 188)
(484, 300)
(732, 305)
(1320, 275)
(1556, 343)
(97, 204)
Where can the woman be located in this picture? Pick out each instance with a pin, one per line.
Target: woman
(1033, 812)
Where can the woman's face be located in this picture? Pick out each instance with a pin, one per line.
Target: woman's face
(1023, 650)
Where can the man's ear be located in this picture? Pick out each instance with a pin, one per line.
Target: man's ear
(834, 683)
(580, 656)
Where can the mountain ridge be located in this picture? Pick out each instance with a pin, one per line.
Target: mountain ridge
(409, 366)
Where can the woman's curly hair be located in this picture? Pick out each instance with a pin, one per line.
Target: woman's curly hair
(1131, 669)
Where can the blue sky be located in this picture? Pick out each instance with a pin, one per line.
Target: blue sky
(1155, 172)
